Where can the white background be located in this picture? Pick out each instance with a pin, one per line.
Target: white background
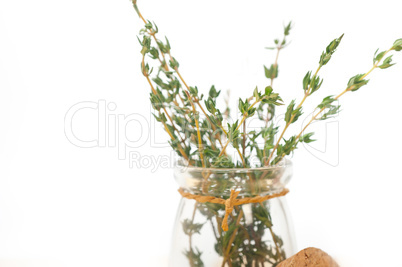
(62, 205)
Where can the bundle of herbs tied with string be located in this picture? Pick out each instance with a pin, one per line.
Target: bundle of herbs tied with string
(204, 137)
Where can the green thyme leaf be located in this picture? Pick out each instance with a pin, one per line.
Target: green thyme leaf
(272, 72)
(306, 81)
(326, 102)
(174, 64)
(329, 51)
(397, 45)
(330, 112)
(356, 82)
(213, 93)
(378, 56)
(287, 29)
(315, 83)
(386, 63)
(306, 138)
(289, 111)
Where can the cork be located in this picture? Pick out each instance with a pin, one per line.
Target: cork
(309, 257)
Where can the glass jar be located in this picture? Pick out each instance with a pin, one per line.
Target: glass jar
(259, 234)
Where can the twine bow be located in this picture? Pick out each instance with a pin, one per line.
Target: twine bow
(231, 201)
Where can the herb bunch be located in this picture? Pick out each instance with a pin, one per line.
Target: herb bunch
(199, 130)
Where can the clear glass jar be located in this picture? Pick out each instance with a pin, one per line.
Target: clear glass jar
(259, 234)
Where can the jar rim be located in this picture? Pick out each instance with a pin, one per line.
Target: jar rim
(285, 162)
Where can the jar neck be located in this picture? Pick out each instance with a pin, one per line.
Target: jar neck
(220, 182)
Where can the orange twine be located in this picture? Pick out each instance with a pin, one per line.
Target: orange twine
(231, 201)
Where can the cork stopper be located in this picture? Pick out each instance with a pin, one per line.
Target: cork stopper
(309, 257)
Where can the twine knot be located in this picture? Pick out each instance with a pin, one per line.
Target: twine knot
(231, 201)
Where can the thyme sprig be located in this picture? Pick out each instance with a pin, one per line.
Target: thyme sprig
(327, 109)
(310, 85)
